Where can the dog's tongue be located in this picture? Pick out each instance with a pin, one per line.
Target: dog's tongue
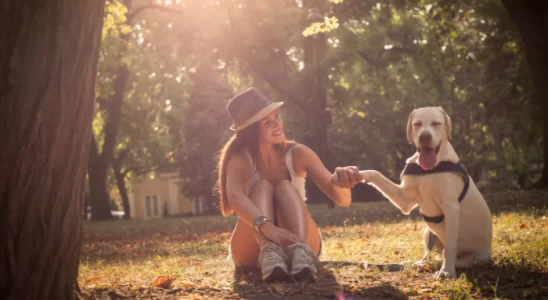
(427, 158)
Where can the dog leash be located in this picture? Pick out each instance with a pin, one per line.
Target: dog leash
(444, 166)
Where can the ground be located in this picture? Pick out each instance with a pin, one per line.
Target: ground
(123, 259)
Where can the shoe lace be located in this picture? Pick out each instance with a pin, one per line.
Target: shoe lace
(304, 253)
(273, 252)
(301, 254)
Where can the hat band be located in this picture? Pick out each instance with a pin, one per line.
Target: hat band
(257, 116)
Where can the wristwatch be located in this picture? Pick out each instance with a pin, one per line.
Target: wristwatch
(260, 221)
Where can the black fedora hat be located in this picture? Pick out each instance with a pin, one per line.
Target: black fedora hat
(249, 107)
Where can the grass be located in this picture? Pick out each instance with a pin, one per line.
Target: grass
(122, 259)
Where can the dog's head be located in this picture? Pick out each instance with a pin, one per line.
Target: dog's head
(428, 128)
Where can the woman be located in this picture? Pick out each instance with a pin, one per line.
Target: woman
(261, 179)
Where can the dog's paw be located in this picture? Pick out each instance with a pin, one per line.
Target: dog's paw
(421, 265)
(367, 175)
(445, 273)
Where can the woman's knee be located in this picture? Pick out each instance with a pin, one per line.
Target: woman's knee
(262, 189)
(262, 185)
(283, 186)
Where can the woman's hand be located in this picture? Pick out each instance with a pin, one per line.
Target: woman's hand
(346, 177)
(280, 236)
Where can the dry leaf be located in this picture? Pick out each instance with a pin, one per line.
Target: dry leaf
(340, 246)
(184, 260)
(93, 280)
(188, 284)
(163, 281)
(278, 287)
(524, 225)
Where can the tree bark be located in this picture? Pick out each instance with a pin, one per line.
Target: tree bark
(97, 176)
(531, 20)
(315, 93)
(99, 163)
(121, 183)
(48, 66)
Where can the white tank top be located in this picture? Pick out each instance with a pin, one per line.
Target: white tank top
(297, 181)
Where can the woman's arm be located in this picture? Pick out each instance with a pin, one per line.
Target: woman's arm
(238, 169)
(337, 185)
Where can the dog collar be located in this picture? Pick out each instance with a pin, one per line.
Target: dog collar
(444, 166)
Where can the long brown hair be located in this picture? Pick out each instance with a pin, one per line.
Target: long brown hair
(246, 138)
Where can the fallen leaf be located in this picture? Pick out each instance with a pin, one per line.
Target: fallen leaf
(163, 281)
(188, 284)
(184, 260)
(279, 288)
(524, 225)
(93, 280)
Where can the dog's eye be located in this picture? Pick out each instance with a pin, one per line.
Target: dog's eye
(436, 123)
(417, 124)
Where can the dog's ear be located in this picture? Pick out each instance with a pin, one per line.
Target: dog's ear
(410, 127)
(448, 127)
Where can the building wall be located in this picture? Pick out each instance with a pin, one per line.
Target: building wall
(169, 193)
(149, 187)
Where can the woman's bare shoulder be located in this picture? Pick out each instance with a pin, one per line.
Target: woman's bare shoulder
(301, 150)
(239, 161)
(303, 156)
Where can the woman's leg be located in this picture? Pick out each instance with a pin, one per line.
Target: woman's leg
(293, 215)
(244, 244)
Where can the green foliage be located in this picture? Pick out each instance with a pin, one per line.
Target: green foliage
(382, 60)
(329, 24)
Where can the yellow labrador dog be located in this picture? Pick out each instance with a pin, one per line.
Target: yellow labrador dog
(457, 217)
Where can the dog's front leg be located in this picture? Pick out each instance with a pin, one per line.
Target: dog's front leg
(451, 212)
(401, 196)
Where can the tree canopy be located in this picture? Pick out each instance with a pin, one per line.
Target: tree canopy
(351, 69)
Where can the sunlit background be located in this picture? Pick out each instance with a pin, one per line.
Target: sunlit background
(350, 72)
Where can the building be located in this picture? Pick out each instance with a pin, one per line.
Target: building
(161, 196)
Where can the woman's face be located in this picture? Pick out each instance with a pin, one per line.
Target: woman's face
(271, 129)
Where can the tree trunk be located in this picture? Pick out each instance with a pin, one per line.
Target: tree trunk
(121, 183)
(48, 66)
(315, 93)
(97, 176)
(100, 162)
(531, 20)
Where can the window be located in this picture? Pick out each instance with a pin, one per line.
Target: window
(151, 206)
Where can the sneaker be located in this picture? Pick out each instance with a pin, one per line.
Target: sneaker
(272, 263)
(304, 262)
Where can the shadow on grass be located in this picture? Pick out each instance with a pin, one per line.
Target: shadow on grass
(508, 281)
(533, 202)
(249, 285)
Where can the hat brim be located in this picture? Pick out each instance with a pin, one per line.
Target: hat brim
(258, 116)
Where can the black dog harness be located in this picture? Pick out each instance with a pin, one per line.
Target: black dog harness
(444, 166)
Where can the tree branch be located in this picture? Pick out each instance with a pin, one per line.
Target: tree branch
(152, 5)
(367, 59)
(278, 87)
